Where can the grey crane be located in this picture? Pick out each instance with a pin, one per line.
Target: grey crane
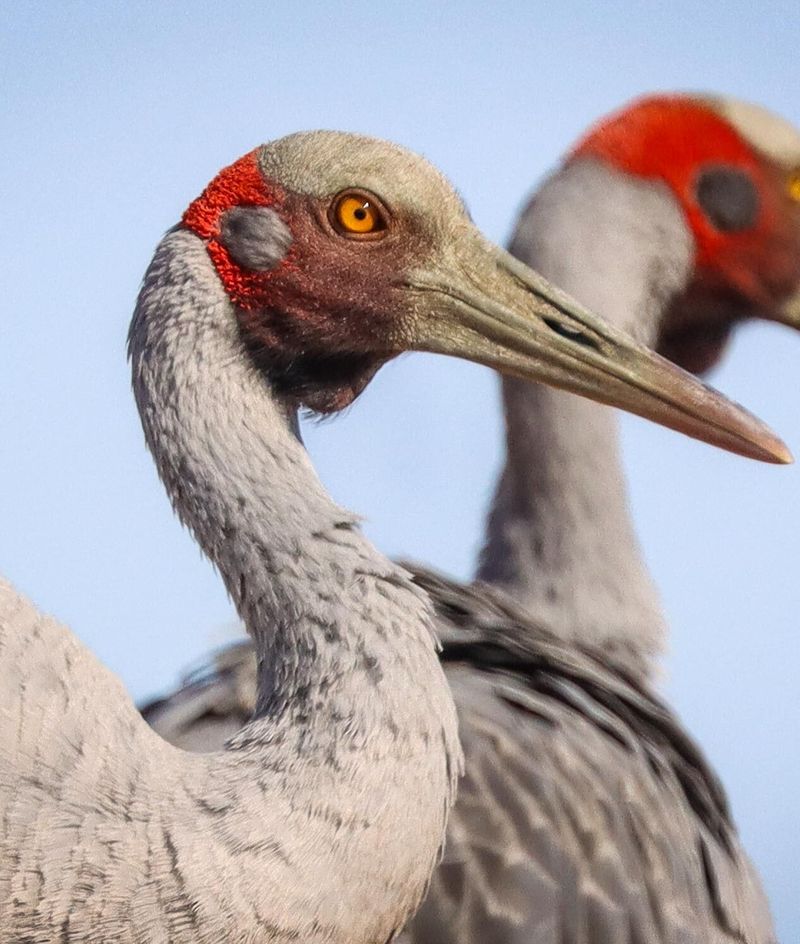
(586, 813)
(675, 218)
(301, 269)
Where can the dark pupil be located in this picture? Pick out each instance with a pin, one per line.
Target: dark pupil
(360, 213)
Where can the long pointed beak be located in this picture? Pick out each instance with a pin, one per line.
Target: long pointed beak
(486, 306)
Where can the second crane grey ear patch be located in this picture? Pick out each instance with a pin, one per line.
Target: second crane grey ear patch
(728, 197)
(256, 237)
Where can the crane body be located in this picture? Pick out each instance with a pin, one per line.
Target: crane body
(587, 813)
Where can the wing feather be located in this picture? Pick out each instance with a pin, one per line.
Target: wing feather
(587, 814)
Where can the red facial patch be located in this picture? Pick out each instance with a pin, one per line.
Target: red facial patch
(672, 138)
(323, 320)
(240, 184)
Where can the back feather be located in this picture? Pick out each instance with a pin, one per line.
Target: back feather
(587, 814)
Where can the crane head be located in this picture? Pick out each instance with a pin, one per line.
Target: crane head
(340, 252)
(734, 169)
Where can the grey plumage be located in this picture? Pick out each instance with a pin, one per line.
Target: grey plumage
(559, 536)
(610, 826)
(294, 831)
(586, 815)
(583, 802)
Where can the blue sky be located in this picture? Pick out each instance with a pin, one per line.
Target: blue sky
(113, 117)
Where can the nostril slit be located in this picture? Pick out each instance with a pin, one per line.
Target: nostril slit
(572, 334)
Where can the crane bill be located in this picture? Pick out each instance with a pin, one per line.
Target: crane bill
(488, 307)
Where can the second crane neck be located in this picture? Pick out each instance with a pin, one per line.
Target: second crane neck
(560, 537)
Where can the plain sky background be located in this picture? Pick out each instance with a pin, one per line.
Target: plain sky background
(115, 115)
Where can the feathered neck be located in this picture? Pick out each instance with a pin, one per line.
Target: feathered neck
(560, 537)
(350, 693)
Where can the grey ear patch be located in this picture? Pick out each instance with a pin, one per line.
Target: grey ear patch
(255, 237)
(728, 197)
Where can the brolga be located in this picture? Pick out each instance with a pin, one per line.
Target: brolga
(586, 813)
(301, 269)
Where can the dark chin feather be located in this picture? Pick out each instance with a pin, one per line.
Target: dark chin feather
(696, 348)
(697, 327)
(324, 383)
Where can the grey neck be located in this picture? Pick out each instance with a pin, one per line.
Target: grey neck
(560, 536)
(351, 693)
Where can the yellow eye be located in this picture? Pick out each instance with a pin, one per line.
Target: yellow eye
(793, 185)
(357, 214)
